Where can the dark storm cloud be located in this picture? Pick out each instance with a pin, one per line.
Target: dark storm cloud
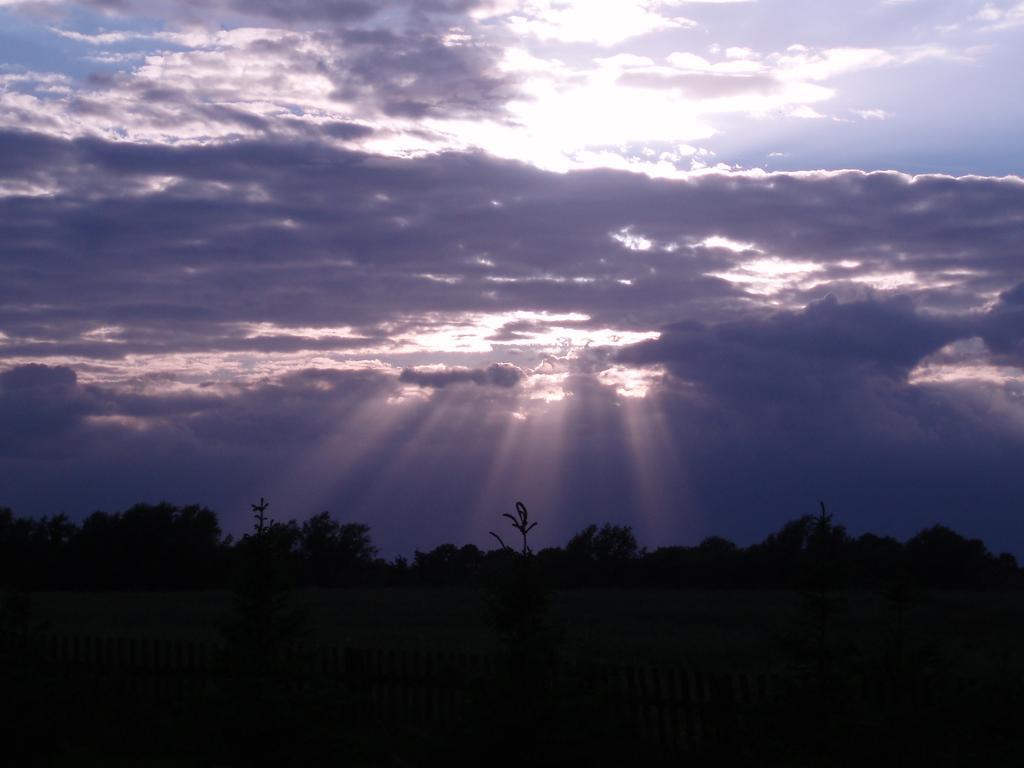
(496, 375)
(839, 342)
(308, 10)
(244, 247)
(37, 400)
(39, 404)
(816, 404)
(886, 457)
(42, 412)
(418, 75)
(1003, 327)
(346, 130)
(830, 374)
(345, 10)
(160, 106)
(285, 11)
(397, 58)
(308, 439)
(276, 232)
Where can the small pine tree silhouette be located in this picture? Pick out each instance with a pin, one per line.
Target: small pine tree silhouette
(263, 626)
(519, 601)
(261, 719)
(259, 511)
(821, 602)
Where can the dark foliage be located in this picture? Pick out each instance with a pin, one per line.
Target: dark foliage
(163, 547)
(334, 554)
(843, 698)
(145, 546)
(598, 557)
(448, 566)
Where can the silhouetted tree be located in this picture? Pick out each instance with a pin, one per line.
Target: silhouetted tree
(823, 569)
(263, 625)
(718, 563)
(149, 547)
(521, 698)
(939, 557)
(875, 561)
(780, 559)
(448, 566)
(267, 717)
(518, 599)
(166, 547)
(335, 554)
(602, 556)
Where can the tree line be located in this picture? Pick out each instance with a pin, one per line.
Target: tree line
(166, 547)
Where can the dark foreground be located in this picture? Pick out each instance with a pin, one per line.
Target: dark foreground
(618, 677)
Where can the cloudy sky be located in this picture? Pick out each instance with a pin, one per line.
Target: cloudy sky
(686, 266)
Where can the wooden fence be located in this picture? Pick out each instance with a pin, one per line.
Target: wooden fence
(677, 709)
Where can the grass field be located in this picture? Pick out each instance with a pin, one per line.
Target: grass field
(705, 628)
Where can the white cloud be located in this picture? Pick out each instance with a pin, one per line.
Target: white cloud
(224, 84)
(1001, 16)
(618, 111)
(767, 276)
(803, 64)
(632, 241)
(720, 241)
(579, 21)
(871, 114)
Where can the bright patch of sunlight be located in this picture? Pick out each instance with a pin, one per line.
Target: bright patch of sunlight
(736, 246)
(888, 281)
(152, 185)
(768, 276)
(631, 241)
(270, 330)
(212, 372)
(548, 387)
(979, 373)
(134, 423)
(407, 394)
(479, 333)
(629, 382)
(106, 334)
(446, 279)
(17, 188)
(967, 360)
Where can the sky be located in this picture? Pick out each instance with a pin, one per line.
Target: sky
(685, 266)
